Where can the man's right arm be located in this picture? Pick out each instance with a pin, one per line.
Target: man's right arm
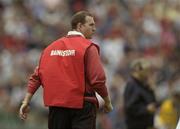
(32, 86)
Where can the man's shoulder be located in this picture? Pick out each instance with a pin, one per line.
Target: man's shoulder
(131, 83)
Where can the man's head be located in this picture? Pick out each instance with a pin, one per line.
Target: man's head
(83, 22)
(142, 69)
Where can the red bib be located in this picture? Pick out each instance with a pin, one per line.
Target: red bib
(61, 72)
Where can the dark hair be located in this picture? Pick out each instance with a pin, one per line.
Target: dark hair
(79, 17)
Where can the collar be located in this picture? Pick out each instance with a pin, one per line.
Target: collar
(75, 33)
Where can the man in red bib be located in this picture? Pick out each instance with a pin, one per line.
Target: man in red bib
(70, 72)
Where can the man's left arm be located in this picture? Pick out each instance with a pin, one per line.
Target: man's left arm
(96, 75)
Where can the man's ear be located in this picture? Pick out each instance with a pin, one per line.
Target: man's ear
(79, 25)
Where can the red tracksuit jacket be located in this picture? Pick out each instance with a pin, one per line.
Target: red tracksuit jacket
(68, 72)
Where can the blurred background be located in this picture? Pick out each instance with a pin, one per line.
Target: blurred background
(126, 30)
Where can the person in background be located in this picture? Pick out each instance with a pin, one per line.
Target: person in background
(139, 98)
(169, 112)
(70, 72)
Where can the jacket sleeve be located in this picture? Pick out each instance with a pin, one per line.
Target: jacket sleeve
(94, 71)
(34, 82)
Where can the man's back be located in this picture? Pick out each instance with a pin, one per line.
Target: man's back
(61, 71)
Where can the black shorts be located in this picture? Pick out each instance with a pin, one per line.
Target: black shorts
(68, 118)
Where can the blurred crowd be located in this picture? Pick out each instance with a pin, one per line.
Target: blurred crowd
(126, 30)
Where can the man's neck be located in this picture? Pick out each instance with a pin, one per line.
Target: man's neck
(74, 32)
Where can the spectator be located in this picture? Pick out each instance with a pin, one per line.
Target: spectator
(169, 113)
(139, 98)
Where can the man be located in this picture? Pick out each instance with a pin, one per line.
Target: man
(139, 98)
(70, 73)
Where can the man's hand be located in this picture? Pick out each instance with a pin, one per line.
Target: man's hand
(108, 107)
(151, 107)
(23, 111)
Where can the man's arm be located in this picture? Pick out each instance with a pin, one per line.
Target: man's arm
(96, 75)
(33, 84)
